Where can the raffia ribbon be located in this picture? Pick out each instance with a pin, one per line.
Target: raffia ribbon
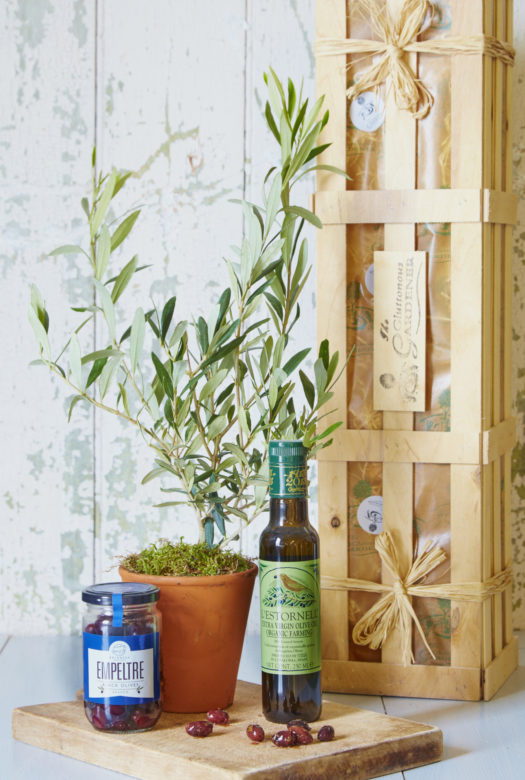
(397, 37)
(395, 608)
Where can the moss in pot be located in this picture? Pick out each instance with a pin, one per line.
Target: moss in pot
(208, 397)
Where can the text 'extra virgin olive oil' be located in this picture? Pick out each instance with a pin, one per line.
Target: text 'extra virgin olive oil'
(290, 593)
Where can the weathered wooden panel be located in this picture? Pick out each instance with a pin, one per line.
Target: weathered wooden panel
(46, 476)
(177, 120)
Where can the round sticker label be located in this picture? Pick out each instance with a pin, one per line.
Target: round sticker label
(369, 279)
(370, 514)
(367, 111)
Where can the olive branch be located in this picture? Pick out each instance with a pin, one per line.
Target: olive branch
(212, 392)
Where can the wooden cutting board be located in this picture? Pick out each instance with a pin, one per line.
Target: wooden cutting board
(367, 744)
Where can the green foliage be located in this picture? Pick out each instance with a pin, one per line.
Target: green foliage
(186, 560)
(212, 392)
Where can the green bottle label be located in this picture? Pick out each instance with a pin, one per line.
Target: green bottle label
(288, 481)
(290, 617)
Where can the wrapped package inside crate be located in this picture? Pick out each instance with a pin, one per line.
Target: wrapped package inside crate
(414, 282)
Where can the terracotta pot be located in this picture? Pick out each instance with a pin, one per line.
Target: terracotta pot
(203, 625)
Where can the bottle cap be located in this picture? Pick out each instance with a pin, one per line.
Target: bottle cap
(288, 472)
(282, 450)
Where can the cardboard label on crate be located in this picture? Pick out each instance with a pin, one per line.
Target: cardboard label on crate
(399, 331)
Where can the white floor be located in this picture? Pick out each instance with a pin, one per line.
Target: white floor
(482, 741)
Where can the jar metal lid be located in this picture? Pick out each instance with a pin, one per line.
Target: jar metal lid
(132, 593)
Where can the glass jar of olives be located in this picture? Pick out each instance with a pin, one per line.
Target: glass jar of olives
(121, 637)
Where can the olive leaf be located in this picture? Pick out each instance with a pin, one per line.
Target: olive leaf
(108, 374)
(107, 307)
(103, 252)
(136, 342)
(66, 249)
(123, 279)
(103, 203)
(124, 229)
(40, 333)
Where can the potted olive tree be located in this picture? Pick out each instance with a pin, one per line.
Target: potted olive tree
(207, 399)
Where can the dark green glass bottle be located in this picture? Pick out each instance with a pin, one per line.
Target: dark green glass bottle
(290, 593)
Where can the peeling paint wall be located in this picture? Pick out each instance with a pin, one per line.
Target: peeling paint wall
(173, 91)
(46, 475)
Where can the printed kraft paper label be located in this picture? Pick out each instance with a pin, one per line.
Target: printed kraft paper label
(399, 331)
(290, 617)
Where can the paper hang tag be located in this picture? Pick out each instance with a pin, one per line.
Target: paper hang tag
(399, 331)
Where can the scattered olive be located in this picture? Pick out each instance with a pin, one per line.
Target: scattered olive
(302, 736)
(98, 718)
(142, 720)
(199, 728)
(255, 732)
(122, 717)
(218, 716)
(325, 733)
(298, 722)
(284, 739)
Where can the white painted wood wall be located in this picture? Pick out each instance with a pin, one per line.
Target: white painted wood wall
(172, 90)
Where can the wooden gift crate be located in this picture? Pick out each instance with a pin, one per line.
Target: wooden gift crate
(472, 452)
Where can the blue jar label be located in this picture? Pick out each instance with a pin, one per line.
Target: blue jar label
(123, 669)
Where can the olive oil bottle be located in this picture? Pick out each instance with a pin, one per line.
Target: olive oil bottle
(290, 593)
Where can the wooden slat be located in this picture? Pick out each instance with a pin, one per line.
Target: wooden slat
(497, 250)
(466, 367)
(402, 447)
(500, 669)
(415, 206)
(488, 315)
(331, 318)
(421, 446)
(500, 207)
(507, 331)
(398, 478)
(498, 440)
(429, 682)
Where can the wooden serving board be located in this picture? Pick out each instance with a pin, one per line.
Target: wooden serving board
(367, 744)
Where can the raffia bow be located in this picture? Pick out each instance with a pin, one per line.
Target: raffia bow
(398, 36)
(394, 608)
